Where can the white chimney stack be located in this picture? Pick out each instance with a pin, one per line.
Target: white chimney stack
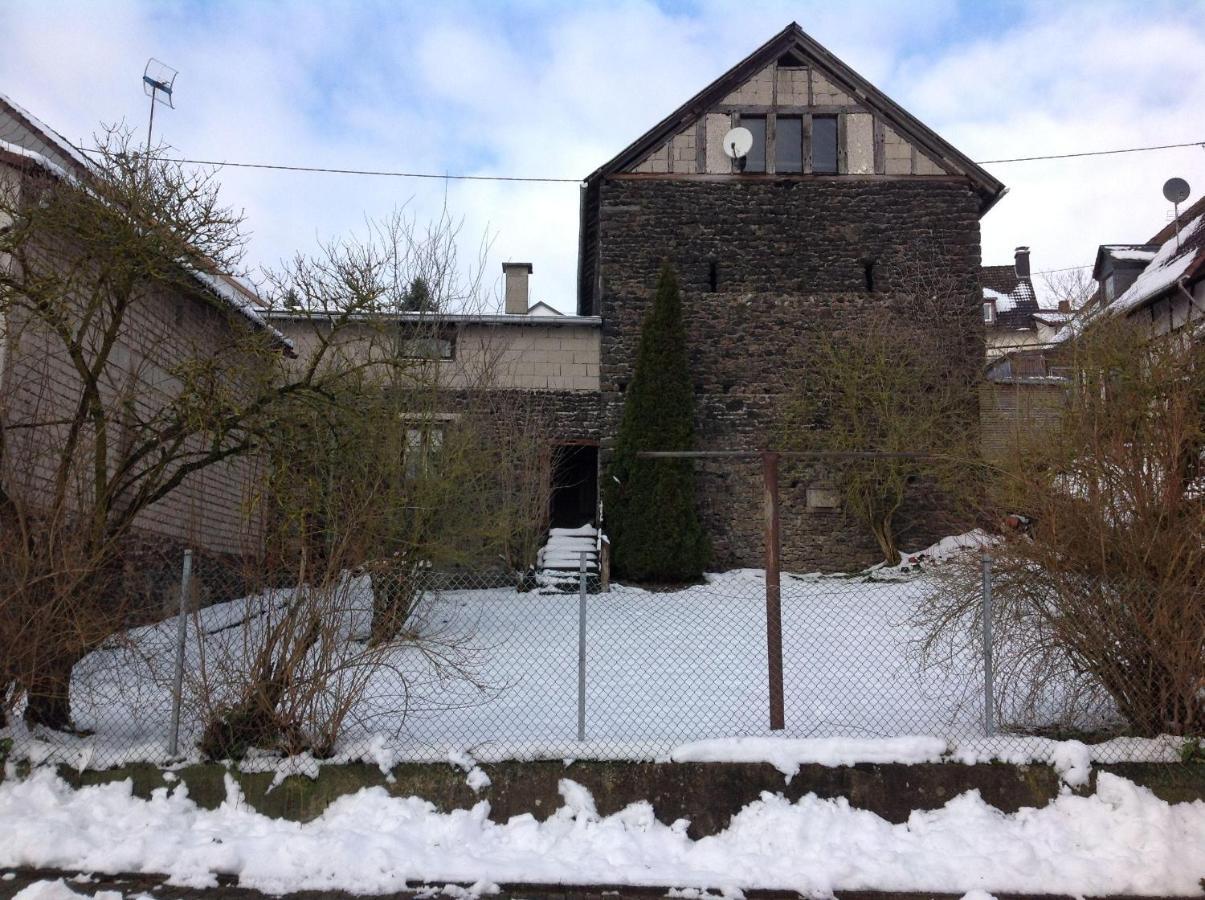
(517, 294)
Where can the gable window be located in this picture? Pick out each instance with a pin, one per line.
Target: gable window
(788, 144)
(426, 347)
(755, 161)
(824, 145)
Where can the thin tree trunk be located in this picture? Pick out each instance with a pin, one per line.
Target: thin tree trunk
(48, 694)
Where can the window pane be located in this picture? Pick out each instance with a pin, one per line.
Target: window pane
(824, 144)
(756, 160)
(425, 348)
(788, 144)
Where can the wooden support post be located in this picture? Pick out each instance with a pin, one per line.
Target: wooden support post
(773, 589)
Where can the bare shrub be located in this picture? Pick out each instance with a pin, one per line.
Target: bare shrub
(1100, 583)
(409, 470)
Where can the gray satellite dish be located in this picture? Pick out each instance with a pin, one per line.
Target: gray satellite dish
(1176, 190)
(738, 142)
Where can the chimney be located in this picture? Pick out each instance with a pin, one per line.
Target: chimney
(1021, 264)
(1065, 306)
(517, 295)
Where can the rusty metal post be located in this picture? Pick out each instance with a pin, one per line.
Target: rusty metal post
(769, 461)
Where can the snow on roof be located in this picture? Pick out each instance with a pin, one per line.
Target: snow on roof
(1174, 258)
(1135, 253)
(35, 157)
(1004, 302)
(48, 134)
(1165, 268)
(1053, 317)
(238, 299)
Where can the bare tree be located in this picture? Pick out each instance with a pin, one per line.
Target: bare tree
(414, 469)
(899, 379)
(134, 368)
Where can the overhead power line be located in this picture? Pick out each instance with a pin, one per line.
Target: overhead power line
(387, 173)
(1016, 159)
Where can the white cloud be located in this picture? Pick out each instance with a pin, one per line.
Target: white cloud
(544, 89)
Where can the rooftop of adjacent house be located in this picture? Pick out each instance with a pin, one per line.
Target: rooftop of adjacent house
(27, 140)
(1174, 255)
(1013, 294)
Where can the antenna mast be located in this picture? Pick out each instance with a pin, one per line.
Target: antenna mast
(157, 82)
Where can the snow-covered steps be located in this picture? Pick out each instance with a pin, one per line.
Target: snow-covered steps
(562, 553)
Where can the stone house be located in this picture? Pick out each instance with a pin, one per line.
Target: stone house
(39, 386)
(840, 189)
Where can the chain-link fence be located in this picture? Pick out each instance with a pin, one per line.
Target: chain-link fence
(418, 664)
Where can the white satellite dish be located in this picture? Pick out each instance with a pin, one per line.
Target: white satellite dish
(738, 142)
(1176, 190)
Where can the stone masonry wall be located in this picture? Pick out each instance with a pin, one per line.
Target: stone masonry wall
(790, 264)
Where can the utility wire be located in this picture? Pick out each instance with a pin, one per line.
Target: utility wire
(989, 162)
(280, 167)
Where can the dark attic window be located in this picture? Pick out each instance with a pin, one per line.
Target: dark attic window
(824, 145)
(755, 161)
(788, 144)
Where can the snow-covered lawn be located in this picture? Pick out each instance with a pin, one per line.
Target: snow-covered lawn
(662, 668)
(1120, 840)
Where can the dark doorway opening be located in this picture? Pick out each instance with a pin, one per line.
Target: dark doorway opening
(574, 485)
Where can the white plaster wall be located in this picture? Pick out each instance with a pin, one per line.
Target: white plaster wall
(859, 144)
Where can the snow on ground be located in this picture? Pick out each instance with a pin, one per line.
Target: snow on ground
(1120, 840)
(663, 668)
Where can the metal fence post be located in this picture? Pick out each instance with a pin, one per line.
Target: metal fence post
(581, 647)
(989, 696)
(173, 740)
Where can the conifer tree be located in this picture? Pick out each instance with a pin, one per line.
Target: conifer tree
(650, 503)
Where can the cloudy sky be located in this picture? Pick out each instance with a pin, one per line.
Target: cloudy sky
(555, 89)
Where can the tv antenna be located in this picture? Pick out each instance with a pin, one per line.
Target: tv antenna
(157, 82)
(737, 144)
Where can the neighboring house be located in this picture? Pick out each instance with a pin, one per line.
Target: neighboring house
(841, 188)
(39, 386)
(1023, 391)
(528, 347)
(1016, 323)
(1159, 283)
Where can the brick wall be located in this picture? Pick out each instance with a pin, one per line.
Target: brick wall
(789, 259)
(1014, 413)
(543, 357)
